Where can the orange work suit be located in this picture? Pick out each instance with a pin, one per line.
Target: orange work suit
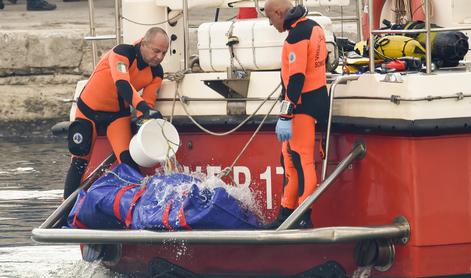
(303, 76)
(104, 104)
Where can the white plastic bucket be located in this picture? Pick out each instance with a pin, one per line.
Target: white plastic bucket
(157, 140)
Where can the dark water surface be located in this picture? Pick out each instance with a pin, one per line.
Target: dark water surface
(32, 173)
(31, 183)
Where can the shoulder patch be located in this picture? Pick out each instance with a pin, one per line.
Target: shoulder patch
(121, 67)
(291, 57)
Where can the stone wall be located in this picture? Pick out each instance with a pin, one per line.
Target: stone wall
(39, 71)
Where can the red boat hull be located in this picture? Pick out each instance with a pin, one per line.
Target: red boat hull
(424, 179)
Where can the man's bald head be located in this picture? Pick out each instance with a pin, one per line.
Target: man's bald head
(154, 46)
(276, 10)
(278, 5)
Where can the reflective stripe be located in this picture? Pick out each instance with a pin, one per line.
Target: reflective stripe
(117, 201)
(181, 214)
(165, 216)
(132, 205)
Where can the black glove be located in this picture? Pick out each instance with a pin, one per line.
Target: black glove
(151, 114)
(148, 115)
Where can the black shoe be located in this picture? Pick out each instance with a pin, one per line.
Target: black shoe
(12, 1)
(284, 213)
(40, 5)
(305, 222)
(1, 5)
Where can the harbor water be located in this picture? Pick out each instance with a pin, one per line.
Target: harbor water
(32, 172)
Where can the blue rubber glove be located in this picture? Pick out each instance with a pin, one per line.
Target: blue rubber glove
(283, 129)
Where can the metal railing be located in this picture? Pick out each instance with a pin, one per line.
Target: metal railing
(186, 35)
(340, 80)
(395, 230)
(93, 37)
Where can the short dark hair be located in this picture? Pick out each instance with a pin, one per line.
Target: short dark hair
(150, 34)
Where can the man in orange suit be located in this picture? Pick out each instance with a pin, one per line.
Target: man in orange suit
(305, 102)
(103, 107)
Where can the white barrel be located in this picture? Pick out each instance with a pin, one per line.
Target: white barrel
(259, 46)
(156, 141)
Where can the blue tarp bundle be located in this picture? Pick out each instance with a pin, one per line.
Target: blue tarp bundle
(124, 199)
(159, 200)
(94, 208)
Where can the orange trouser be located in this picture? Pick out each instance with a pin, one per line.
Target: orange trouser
(298, 159)
(118, 133)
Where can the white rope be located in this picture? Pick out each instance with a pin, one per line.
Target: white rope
(177, 77)
(227, 132)
(238, 62)
(226, 171)
(143, 181)
(231, 49)
(156, 23)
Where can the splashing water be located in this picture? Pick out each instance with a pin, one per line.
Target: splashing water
(362, 272)
(44, 261)
(85, 269)
(243, 194)
(179, 248)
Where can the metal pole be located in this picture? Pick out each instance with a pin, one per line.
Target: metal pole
(69, 202)
(371, 38)
(257, 7)
(186, 35)
(417, 31)
(359, 20)
(257, 237)
(91, 14)
(117, 23)
(428, 45)
(100, 38)
(216, 17)
(344, 18)
(340, 80)
(359, 150)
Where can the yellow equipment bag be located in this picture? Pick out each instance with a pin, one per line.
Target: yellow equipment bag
(393, 47)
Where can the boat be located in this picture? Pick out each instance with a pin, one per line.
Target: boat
(395, 190)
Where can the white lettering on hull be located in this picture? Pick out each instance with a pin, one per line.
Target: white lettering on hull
(242, 176)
